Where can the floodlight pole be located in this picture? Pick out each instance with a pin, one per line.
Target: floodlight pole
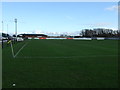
(7, 28)
(2, 26)
(16, 28)
(2, 32)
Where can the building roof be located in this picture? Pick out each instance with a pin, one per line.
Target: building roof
(33, 35)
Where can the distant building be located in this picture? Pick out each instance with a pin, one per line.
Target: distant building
(4, 36)
(32, 35)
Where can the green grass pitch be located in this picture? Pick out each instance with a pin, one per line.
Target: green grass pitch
(61, 64)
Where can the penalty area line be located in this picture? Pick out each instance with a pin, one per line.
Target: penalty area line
(71, 56)
(20, 50)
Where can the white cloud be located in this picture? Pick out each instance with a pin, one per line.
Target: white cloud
(114, 29)
(69, 17)
(38, 32)
(50, 33)
(99, 24)
(2, 31)
(54, 33)
(113, 8)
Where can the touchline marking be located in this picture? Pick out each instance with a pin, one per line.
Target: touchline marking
(71, 56)
(20, 50)
(12, 49)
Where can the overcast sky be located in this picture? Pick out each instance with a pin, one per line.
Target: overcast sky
(56, 17)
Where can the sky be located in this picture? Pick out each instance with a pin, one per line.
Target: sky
(53, 18)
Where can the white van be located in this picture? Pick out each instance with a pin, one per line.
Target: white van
(20, 39)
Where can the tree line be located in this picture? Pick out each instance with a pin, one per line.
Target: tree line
(100, 32)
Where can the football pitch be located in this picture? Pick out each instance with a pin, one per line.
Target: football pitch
(61, 64)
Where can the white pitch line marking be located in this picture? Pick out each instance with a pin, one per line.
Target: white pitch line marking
(71, 56)
(12, 49)
(20, 50)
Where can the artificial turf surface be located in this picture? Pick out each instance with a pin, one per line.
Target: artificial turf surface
(61, 64)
